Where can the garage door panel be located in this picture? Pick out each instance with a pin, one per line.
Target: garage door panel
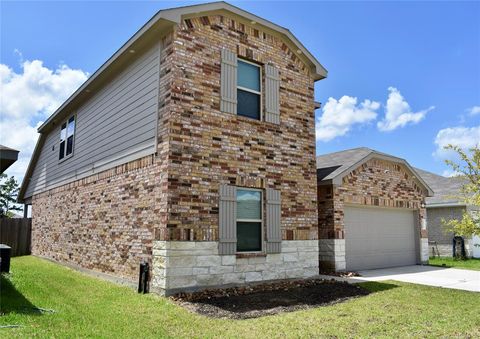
(376, 238)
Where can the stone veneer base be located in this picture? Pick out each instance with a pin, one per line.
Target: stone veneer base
(447, 250)
(332, 254)
(424, 251)
(195, 265)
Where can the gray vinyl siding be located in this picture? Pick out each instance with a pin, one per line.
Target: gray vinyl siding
(273, 215)
(117, 124)
(228, 82)
(272, 94)
(227, 220)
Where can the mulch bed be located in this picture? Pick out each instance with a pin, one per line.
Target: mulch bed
(268, 299)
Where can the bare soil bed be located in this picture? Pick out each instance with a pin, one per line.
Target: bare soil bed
(268, 299)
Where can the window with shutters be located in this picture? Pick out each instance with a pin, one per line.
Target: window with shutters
(249, 90)
(67, 138)
(249, 220)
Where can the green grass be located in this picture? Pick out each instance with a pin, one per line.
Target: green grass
(470, 264)
(88, 307)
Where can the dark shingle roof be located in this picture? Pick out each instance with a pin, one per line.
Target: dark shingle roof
(342, 160)
(5, 148)
(446, 189)
(7, 157)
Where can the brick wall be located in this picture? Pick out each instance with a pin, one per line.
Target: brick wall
(106, 222)
(208, 147)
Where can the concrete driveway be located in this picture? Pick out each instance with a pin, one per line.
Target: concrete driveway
(455, 278)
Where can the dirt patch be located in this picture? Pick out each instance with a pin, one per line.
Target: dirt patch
(268, 299)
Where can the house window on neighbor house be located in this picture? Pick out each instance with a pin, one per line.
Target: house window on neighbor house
(249, 90)
(67, 138)
(249, 220)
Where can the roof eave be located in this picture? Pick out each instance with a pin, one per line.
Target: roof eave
(28, 173)
(154, 22)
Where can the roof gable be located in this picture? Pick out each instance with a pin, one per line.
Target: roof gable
(349, 160)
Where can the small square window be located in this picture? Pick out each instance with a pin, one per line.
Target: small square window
(249, 90)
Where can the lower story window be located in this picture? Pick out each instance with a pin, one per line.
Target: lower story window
(249, 220)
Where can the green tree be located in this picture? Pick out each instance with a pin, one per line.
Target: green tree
(8, 196)
(469, 169)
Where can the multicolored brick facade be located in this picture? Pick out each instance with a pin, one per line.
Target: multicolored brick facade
(208, 147)
(110, 222)
(106, 222)
(378, 183)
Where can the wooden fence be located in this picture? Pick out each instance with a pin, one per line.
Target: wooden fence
(16, 233)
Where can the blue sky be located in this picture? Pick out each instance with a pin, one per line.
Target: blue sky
(417, 62)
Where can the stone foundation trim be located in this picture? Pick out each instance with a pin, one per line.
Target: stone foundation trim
(195, 265)
(332, 254)
(424, 254)
(447, 250)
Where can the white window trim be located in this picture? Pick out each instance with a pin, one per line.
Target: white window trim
(260, 69)
(262, 231)
(65, 157)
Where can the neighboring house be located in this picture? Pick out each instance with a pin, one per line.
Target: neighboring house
(445, 205)
(7, 157)
(371, 211)
(192, 148)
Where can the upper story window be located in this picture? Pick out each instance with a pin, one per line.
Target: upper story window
(249, 90)
(249, 220)
(67, 138)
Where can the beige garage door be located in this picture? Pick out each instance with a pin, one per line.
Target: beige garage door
(378, 238)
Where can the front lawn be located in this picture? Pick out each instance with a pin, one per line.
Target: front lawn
(88, 307)
(470, 264)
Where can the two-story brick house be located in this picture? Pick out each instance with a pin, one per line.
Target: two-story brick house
(191, 148)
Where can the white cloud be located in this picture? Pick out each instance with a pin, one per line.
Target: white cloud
(475, 110)
(27, 99)
(450, 174)
(340, 116)
(463, 137)
(398, 112)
